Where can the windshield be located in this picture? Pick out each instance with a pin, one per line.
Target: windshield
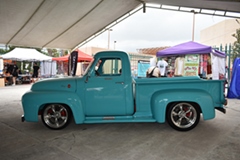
(89, 65)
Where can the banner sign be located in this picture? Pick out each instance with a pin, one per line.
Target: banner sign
(72, 63)
(191, 65)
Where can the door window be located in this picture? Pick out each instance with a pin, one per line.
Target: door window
(109, 67)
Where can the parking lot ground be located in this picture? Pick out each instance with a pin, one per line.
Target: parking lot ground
(218, 138)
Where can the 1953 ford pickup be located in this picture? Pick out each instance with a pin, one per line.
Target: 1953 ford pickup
(107, 93)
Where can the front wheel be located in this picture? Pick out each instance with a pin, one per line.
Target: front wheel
(56, 116)
(183, 116)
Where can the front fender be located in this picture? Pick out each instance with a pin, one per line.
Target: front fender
(32, 101)
(160, 101)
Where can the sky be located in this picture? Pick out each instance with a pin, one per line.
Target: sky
(155, 28)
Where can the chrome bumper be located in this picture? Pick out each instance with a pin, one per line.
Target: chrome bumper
(223, 110)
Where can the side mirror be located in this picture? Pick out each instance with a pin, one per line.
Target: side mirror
(89, 74)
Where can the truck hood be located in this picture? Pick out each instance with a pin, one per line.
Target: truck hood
(56, 84)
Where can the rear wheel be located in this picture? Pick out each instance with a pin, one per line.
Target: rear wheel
(56, 116)
(183, 116)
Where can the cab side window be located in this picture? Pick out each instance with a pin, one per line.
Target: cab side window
(110, 67)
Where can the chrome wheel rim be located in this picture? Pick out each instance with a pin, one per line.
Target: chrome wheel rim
(55, 115)
(183, 115)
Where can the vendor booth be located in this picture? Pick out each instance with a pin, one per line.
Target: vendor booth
(194, 59)
(83, 61)
(28, 56)
(81, 57)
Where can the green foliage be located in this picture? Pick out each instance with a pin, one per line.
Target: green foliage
(56, 53)
(65, 53)
(3, 51)
(236, 45)
(53, 52)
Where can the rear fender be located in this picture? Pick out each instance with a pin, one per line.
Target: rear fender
(161, 100)
(34, 101)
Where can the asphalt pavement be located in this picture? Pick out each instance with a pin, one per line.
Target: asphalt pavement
(218, 138)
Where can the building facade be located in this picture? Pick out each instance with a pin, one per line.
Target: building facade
(220, 33)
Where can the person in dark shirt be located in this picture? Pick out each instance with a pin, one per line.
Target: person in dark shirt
(14, 72)
(9, 68)
(35, 72)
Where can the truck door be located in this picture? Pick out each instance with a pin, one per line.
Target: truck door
(106, 90)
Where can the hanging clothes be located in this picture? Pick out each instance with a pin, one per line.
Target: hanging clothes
(1, 66)
(179, 66)
(218, 67)
(48, 69)
(152, 62)
(205, 63)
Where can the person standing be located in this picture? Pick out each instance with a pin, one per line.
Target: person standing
(162, 64)
(97, 66)
(153, 72)
(35, 72)
(14, 72)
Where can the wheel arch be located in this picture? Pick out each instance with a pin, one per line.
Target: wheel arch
(161, 101)
(46, 104)
(34, 102)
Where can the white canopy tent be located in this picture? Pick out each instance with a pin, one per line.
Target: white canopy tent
(48, 67)
(26, 54)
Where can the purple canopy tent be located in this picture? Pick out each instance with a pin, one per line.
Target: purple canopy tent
(189, 48)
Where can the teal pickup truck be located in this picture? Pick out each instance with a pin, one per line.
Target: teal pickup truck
(107, 93)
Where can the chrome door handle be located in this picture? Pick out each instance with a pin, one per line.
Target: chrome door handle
(108, 78)
(119, 82)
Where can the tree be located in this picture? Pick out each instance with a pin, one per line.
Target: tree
(3, 51)
(53, 52)
(236, 45)
(57, 52)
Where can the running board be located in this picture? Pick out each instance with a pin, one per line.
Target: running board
(117, 119)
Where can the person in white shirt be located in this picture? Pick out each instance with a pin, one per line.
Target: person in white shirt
(162, 64)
